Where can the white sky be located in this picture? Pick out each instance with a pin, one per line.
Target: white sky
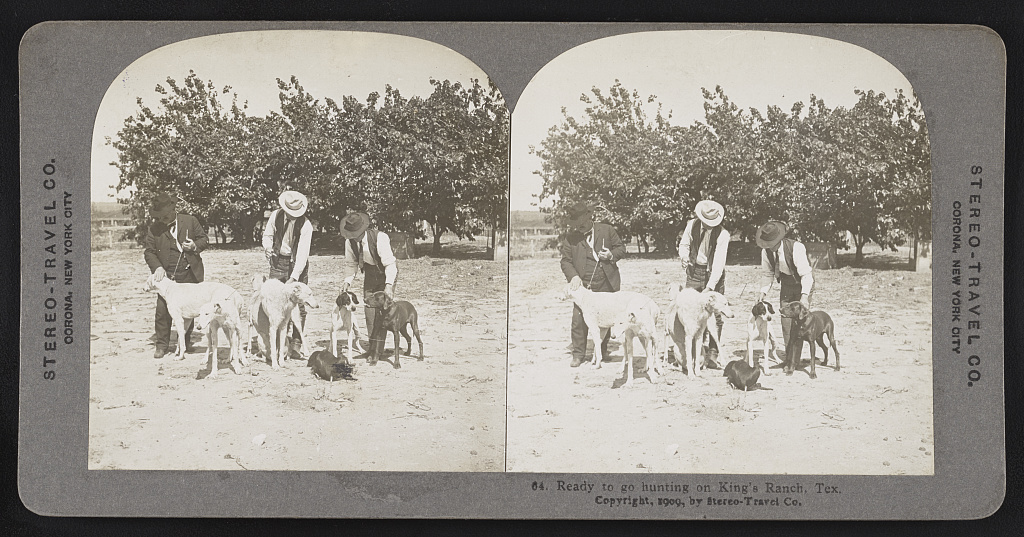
(756, 69)
(327, 63)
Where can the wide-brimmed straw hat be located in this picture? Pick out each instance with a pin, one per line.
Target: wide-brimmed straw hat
(354, 224)
(293, 203)
(771, 234)
(579, 214)
(710, 212)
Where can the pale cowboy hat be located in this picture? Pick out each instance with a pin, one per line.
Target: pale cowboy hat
(770, 235)
(293, 203)
(354, 224)
(710, 212)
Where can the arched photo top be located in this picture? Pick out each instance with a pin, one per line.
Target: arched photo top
(328, 65)
(668, 69)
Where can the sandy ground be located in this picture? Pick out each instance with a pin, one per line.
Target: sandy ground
(442, 414)
(872, 417)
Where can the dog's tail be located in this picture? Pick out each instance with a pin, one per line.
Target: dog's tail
(759, 387)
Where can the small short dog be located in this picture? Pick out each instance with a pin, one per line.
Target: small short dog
(809, 326)
(394, 316)
(342, 322)
(329, 367)
(759, 328)
(743, 377)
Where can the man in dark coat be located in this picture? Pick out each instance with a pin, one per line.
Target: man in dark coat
(173, 243)
(589, 254)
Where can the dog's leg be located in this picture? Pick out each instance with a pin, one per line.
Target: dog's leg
(236, 349)
(211, 349)
(689, 355)
(353, 337)
(832, 341)
(813, 375)
(699, 358)
(179, 325)
(750, 349)
(764, 357)
(824, 348)
(651, 356)
(627, 357)
(598, 337)
(398, 349)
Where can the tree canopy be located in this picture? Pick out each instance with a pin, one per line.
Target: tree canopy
(825, 171)
(442, 159)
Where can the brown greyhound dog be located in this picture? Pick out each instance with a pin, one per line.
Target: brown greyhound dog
(394, 316)
(809, 326)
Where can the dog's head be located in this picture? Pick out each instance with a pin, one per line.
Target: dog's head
(300, 292)
(717, 303)
(207, 313)
(673, 290)
(763, 309)
(379, 300)
(795, 310)
(347, 300)
(257, 281)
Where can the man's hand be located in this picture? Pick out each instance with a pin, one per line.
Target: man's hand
(575, 283)
(804, 301)
(269, 253)
(290, 280)
(605, 254)
(189, 245)
(159, 273)
(389, 290)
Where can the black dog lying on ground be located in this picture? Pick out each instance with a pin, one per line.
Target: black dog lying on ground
(392, 316)
(329, 367)
(742, 376)
(809, 326)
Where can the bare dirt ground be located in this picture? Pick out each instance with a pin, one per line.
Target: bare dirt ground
(872, 417)
(442, 414)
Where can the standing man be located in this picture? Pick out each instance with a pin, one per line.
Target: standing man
(792, 270)
(368, 251)
(172, 245)
(589, 254)
(286, 240)
(702, 251)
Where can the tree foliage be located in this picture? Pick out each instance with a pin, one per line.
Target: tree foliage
(826, 171)
(442, 159)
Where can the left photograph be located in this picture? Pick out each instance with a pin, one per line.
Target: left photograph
(299, 258)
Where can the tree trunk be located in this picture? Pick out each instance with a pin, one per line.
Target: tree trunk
(860, 250)
(493, 247)
(436, 249)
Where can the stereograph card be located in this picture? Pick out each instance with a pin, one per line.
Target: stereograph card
(462, 168)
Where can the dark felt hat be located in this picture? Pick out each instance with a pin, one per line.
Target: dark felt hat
(771, 234)
(163, 200)
(354, 224)
(579, 214)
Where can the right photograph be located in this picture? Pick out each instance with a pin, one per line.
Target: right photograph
(720, 260)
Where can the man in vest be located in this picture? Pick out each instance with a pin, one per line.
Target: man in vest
(286, 240)
(702, 250)
(792, 270)
(172, 244)
(589, 254)
(368, 251)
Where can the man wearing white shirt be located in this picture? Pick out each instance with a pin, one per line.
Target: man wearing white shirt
(286, 240)
(703, 249)
(368, 251)
(792, 271)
